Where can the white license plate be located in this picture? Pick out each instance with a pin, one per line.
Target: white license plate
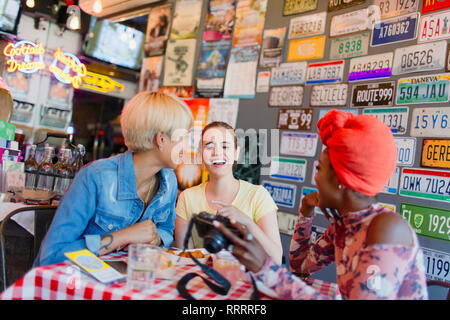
(419, 58)
(434, 27)
(299, 144)
(393, 8)
(437, 265)
(288, 74)
(392, 186)
(290, 96)
(406, 148)
(329, 95)
(310, 25)
(350, 46)
(349, 22)
(286, 222)
(430, 122)
(325, 72)
(395, 118)
(288, 169)
(425, 184)
(282, 193)
(371, 67)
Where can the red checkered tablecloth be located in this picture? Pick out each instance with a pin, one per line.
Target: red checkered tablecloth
(65, 282)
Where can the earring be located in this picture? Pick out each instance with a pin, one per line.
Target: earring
(340, 186)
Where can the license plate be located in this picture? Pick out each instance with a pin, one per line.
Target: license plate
(350, 46)
(286, 222)
(395, 118)
(430, 122)
(434, 27)
(288, 169)
(423, 89)
(434, 5)
(310, 25)
(306, 49)
(298, 6)
(373, 94)
(394, 30)
(436, 153)
(427, 221)
(334, 5)
(323, 112)
(282, 193)
(371, 67)
(393, 8)
(305, 192)
(437, 265)
(299, 144)
(295, 119)
(349, 22)
(329, 95)
(406, 150)
(325, 72)
(388, 206)
(425, 184)
(288, 74)
(316, 233)
(286, 96)
(419, 58)
(392, 186)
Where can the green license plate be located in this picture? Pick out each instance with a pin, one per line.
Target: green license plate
(351, 46)
(424, 89)
(427, 221)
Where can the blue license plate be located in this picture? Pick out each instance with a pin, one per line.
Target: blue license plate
(282, 193)
(395, 30)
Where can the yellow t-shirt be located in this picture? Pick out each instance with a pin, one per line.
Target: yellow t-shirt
(253, 200)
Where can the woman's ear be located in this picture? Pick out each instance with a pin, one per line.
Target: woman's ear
(159, 140)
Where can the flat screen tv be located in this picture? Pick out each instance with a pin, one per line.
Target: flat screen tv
(114, 43)
(9, 15)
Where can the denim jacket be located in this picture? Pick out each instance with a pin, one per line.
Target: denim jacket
(103, 199)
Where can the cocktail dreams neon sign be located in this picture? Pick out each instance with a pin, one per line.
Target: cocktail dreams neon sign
(24, 56)
(67, 68)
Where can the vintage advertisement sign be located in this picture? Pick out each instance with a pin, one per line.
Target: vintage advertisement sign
(394, 8)
(334, 5)
(325, 72)
(249, 22)
(298, 6)
(351, 46)
(306, 49)
(427, 221)
(288, 74)
(329, 95)
(282, 193)
(272, 47)
(394, 30)
(434, 27)
(430, 122)
(373, 94)
(288, 169)
(419, 58)
(423, 89)
(310, 25)
(289, 96)
(406, 150)
(186, 19)
(437, 265)
(179, 62)
(262, 83)
(225, 110)
(436, 153)
(350, 22)
(425, 184)
(295, 119)
(392, 186)
(299, 144)
(220, 21)
(371, 67)
(434, 5)
(395, 118)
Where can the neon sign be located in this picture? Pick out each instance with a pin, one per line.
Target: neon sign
(25, 56)
(101, 83)
(67, 68)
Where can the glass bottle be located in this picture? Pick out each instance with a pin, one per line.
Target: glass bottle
(63, 173)
(78, 163)
(46, 171)
(31, 168)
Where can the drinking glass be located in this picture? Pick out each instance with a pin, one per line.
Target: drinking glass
(228, 266)
(143, 263)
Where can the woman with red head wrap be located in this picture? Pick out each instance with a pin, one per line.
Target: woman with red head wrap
(376, 252)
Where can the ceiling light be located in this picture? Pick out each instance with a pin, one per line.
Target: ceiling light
(98, 6)
(73, 21)
(30, 3)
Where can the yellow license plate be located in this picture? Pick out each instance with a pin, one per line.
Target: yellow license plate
(436, 153)
(306, 49)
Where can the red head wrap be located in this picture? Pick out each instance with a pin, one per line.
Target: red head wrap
(361, 148)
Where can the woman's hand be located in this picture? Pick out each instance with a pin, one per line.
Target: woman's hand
(247, 250)
(142, 232)
(309, 202)
(231, 212)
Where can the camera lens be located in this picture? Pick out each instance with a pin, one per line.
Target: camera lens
(214, 241)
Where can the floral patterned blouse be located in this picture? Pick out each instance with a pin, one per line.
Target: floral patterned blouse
(380, 271)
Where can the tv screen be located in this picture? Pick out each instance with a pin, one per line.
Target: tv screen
(114, 43)
(9, 15)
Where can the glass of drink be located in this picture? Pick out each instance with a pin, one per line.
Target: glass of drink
(228, 266)
(143, 263)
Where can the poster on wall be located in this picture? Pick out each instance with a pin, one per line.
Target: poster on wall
(262, 83)
(249, 23)
(219, 20)
(181, 92)
(199, 109)
(241, 72)
(212, 68)
(186, 19)
(150, 73)
(179, 62)
(272, 48)
(157, 30)
(225, 110)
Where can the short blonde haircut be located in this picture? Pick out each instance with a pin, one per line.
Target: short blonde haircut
(150, 112)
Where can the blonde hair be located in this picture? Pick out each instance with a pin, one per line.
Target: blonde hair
(150, 112)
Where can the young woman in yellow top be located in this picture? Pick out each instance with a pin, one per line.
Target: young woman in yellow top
(223, 194)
